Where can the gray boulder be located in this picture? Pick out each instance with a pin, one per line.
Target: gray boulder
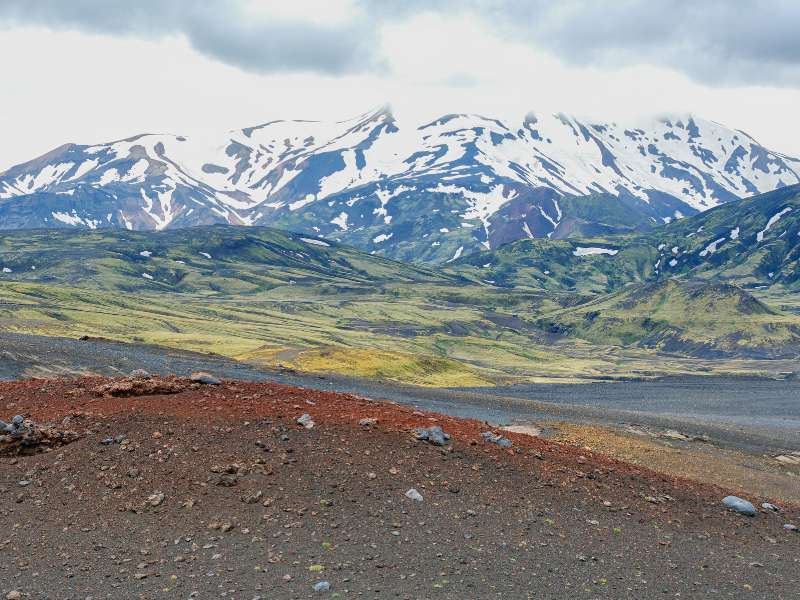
(322, 586)
(494, 438)
(433, 435)
(305, 420)
(205, 378)
(739, 505)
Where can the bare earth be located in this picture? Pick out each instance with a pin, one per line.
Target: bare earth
(217, 492)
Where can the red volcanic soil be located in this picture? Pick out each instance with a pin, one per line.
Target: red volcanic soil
(216, 491)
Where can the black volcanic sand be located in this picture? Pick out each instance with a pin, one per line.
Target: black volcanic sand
(541, 521)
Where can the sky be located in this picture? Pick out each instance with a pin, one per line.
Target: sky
(90, 71)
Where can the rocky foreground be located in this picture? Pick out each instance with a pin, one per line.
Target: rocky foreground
(173, 488)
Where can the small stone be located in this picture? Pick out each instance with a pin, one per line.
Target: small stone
(739, 505)
(433, 435)
(305, 420)
(368, 422)
(14, 595)
(322, 586)
(140, 374)
(790, 527)
(413, 494)
(155, 499)
(769, 506)
(227, 480)
(494, 438)
(252, 497)
(205, 378)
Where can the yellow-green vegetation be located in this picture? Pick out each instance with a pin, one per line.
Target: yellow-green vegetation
(277, 299)
(398, 366)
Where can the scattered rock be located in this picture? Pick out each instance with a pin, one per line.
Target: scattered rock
(227, 480)
(494, 438)
(126, 388)
(155, 499)
(769, 506)
(252, 497)
(671, 434)
(14, 595)
(739, 505)
(368, 422)
(790, 527)
(306, 421)
(413, 494)
(22, 436)
(789, 459)
(434, 435)
(322, 586)
(205, 378)
(140, 374)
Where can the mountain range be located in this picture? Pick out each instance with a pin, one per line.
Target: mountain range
(427, 192)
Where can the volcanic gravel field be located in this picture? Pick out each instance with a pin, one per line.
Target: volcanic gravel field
(175, 489)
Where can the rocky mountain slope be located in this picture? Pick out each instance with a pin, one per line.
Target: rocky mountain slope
(753, 243)
(415, 191)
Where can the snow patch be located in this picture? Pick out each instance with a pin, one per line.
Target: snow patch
(314, 242)
(592, 251)
(301, 203)
(712, 247)
(773, 219)
(340, 221)
(458, 254)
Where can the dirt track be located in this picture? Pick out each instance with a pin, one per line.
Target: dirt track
(539, 521)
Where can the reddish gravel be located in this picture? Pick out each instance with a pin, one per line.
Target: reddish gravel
(217, 491)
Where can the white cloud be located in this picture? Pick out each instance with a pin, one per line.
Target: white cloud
(79, 87)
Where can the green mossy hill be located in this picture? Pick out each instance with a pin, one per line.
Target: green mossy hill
(691, 317)
(752, 243)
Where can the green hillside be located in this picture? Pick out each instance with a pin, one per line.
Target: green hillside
(283, 299)
(219, 259)
(689, 317)
(753, 243)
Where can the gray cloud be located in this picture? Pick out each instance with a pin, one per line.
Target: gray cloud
(217, 28)
(713, 41)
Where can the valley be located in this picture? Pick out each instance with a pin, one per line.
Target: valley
(281, 299)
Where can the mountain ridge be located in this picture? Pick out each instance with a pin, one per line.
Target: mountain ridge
(429, 192)
(753, 243)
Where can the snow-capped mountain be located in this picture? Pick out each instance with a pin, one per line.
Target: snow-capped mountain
(425, 191)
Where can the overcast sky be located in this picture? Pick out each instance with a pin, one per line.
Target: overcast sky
(96, 70)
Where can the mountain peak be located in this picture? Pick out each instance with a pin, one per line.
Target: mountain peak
(428, 191)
